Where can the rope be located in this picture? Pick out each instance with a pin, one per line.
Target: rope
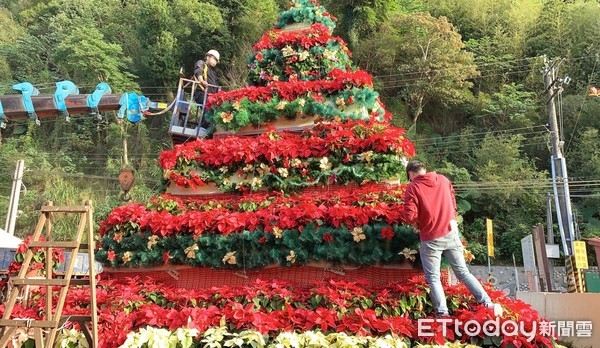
(162, 111)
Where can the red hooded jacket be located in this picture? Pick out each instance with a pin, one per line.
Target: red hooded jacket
(430, 205)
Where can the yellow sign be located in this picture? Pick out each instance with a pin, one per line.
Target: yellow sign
(581, 261)
(490, 237)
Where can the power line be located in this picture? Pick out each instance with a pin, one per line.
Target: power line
(415, 72)
(584, 100)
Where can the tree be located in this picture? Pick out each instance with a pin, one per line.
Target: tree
(357, 20)
(9, 31)
(250, 19)
(510, 107)
(172, 34)
(85, 57)
(421, 59)
(584, 165)
(518, 184)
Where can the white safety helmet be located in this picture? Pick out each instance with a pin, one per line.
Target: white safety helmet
(214, 53)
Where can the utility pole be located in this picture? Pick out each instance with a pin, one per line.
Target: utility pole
(13, 207)
(560, 181)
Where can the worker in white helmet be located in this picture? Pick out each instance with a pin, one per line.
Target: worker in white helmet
(205, 74)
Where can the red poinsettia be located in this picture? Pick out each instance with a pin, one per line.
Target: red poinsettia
(270, 307)
(316, 34)
(349, 206)
(337, 80)
(387, 233)
(353, 137)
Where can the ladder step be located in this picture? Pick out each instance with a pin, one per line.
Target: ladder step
(28, 323)
(64, 209)
(50, 282)
(76, 318)
(62, 245)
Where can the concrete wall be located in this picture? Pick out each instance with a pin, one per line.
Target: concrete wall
(504, 278)
(566, 308)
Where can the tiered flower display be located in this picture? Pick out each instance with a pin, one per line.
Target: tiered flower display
(299, 70)
(139, 313)
(330, 193)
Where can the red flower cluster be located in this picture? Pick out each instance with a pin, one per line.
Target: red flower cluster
(337, 80)
(273, 307)
(354, 137)
(357, 207)
(316, 34)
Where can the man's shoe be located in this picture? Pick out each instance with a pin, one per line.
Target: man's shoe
(498, 311)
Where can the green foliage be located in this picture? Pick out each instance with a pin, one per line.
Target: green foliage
(429, 51)
(359, 20)
(510, 107)
(9, 29)
(233, 116)
(251, 249)
(304, 11)
(84, 56)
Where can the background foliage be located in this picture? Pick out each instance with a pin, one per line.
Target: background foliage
(463, 76)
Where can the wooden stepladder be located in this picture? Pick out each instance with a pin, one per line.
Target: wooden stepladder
(45, 330)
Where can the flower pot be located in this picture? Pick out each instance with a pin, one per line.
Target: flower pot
(295, 124)
(209, 189)
(296, 26)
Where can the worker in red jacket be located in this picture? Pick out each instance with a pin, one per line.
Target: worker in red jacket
(430, 207)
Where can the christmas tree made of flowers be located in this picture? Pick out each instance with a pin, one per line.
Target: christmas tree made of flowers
(327, 192)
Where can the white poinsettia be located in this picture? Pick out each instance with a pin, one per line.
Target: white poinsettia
(263, 169)
(256, 182)
(226, 117)
(409, 253)
(235, 341)
(343, 340)
(277, 232)
(283, 172)
(126, 257)
(291, 257)
(329, 54)
(303, 55)
(150, 337)
(387, 341)
(286, 340)
(185, 336)
(366, 156)
(324, 163)
(213, 336)
(313, 339)
(230, 258)
(288, 51)
(252, 338)
(358, 234)
(71, 338)
(190, 251)
(281, 105)
(152, 240)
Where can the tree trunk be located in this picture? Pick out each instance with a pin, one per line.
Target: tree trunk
(169, 93)
(418, 111)
(125, 152)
